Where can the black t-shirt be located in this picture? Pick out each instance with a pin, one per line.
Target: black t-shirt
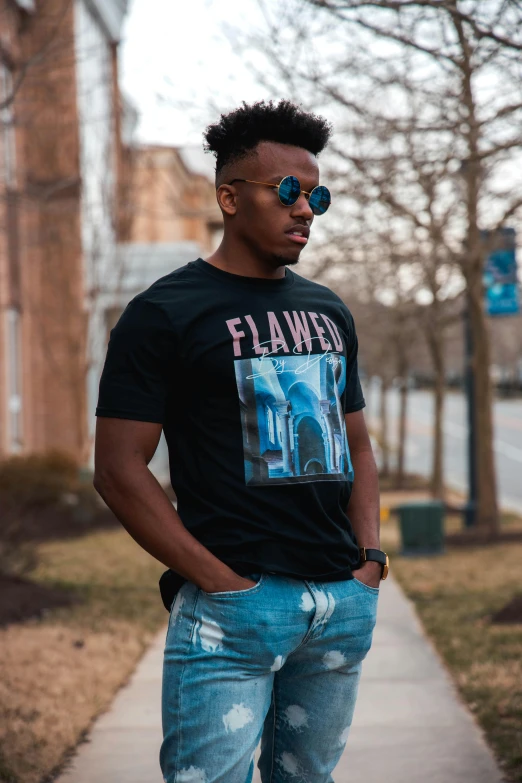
(250, 379)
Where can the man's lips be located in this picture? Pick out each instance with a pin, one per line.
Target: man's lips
(298, 234)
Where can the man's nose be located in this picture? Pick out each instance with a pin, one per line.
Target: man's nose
(302, 209)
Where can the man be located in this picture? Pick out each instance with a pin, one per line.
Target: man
(251, 372)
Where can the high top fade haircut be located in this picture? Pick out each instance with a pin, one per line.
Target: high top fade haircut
(238, 133)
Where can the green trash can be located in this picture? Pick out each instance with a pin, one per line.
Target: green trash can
(422, 527)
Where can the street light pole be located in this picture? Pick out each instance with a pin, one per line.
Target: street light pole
(470, 509)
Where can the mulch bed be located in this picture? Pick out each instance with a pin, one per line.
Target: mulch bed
(476, 538)
(21, 599)
(510, 614)
(64, 523)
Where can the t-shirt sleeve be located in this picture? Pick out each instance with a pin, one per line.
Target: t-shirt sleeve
(352, 396)
(135, 376)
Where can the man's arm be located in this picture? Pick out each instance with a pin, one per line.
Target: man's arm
(123, 450)
(363, 508)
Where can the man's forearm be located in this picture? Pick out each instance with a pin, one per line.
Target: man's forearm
(363, 508)
(145, 511)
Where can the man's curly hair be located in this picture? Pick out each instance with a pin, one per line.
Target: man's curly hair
(238, 133)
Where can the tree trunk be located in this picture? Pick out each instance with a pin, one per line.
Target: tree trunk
(435, 343)
(402, 431)
(437, 468)
(487, 509)
(385, 446)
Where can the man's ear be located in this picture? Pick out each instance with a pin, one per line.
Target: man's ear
(227, 199)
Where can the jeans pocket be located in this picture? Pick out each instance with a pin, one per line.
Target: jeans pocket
(237, 593)
(369, 588)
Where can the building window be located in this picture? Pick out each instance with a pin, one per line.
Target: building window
(7, 151)
(14, 381)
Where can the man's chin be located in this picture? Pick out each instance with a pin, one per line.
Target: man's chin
(285, 260)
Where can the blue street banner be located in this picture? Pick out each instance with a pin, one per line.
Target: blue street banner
(500, 273)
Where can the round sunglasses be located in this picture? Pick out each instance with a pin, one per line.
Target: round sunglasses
(289, 190)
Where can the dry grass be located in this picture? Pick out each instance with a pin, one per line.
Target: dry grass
(59, 672)
(455, 595)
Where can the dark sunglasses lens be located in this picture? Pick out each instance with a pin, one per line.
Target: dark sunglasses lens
(289, 190)
(320, 199)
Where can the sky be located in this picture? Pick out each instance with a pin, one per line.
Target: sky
(180, 69)
(176, 60)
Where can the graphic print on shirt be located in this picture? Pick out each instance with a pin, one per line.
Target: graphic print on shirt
(291, 413)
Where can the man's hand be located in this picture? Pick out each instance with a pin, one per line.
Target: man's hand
(124, 449)
(369, 573)
(238, 583)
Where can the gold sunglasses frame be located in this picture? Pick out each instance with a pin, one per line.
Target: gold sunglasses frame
(271, 185)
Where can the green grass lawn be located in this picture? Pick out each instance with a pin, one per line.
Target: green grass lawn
(455, 595)
(60, 671)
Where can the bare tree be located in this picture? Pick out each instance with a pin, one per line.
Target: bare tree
(382, 293)
(427, 98)
(422, 245)
(463, 47)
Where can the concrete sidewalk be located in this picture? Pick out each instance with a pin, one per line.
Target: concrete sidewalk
(409, 725)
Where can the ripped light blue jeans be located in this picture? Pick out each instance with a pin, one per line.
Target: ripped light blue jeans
(279, 662)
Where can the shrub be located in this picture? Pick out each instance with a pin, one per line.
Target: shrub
(29, 486)
(37, 479)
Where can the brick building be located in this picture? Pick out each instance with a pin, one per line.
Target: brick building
(174, 197)
(59, 166)
(87, 219)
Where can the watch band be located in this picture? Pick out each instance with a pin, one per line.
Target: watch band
(378, 556)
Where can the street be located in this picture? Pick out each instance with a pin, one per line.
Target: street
(508, 439)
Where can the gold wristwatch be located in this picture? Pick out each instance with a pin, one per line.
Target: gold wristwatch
(378, 556)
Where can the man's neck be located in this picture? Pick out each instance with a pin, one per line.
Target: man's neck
(237, 260)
